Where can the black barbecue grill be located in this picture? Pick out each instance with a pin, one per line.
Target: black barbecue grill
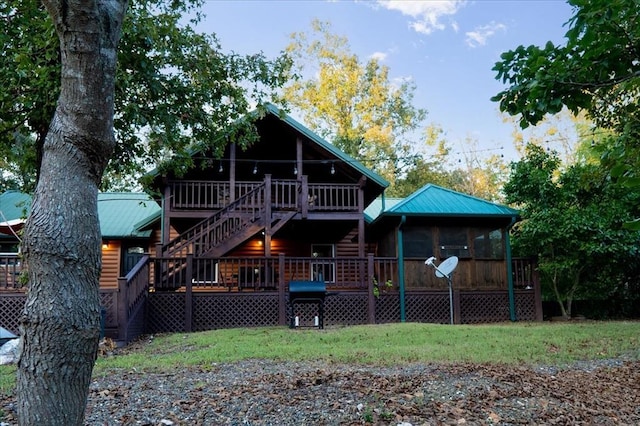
(307, 292)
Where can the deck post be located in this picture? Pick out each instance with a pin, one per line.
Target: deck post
(188, 297)
(282, 299)
(304, 197)
(457, 317)
(232, 172)
(123, 309)
(372, 298)
(511, 292)
(268, 202)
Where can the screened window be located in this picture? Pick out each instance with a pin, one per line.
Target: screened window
(417, 242)
(488, 244)
(453, 242)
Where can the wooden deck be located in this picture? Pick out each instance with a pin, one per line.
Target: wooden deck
(253, 292)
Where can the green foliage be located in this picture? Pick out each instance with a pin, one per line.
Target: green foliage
(351, 104)
(573, 221)
(380, 287)
(597, 70)
(175, 89)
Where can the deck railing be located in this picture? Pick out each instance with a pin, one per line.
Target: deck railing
(10, 268)
(132, 290)
(524, 273)
(206, 195)
(286, 194)
(271, 273)
(333, 197)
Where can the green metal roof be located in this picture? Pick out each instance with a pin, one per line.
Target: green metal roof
(122, 214)
(125, 214)
(14, 205)
(434, 201)
(375, 209)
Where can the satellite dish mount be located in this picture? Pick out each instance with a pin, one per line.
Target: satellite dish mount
(445, 270)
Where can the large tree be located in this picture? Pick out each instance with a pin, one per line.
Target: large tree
(597, 70)
(174, 86)
(60, 326)
(572, 220)
(352, 104)
(170, 98)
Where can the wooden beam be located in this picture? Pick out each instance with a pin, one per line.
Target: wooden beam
(268, 202)
(299, 157)
(232, 172)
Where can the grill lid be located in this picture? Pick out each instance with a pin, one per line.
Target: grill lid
(307, 287)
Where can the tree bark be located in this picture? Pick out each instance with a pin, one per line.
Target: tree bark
(60, 325)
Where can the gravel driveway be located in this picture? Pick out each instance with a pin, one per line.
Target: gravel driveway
(604, 392)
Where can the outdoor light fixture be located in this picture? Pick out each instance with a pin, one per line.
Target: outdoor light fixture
(295, 170)
(220, 168)
(255, 169)
(333, 169)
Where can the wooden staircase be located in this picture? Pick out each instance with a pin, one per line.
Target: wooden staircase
(220, 233)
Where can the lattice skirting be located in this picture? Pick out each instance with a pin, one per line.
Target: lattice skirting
(11, 306)
(166, 312)
(478, 308)
(234, 310)
(525, 306)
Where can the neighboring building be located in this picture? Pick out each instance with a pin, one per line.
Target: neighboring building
(234, 231)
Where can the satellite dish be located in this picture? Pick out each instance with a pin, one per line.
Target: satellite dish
(446, 268)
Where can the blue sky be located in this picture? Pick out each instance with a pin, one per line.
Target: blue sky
(446, 47)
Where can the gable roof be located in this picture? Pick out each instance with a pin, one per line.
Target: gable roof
(272, 109)
(435, 201)
(315, 139)
(121, 214)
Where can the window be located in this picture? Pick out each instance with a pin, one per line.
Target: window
(322, 265)
(487, 243)
(453, 242)
(417, 242)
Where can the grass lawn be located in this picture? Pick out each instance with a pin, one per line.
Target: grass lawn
(389, 344)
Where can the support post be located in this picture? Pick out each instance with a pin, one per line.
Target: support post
(372, 298)
(401, 268)
(268, 202)
(457, 317)
(304, 197)
(512, 297)
(123, 309)
(232, 172)
(282, 296)
(188, 297)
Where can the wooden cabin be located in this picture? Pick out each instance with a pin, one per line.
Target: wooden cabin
(221, 246)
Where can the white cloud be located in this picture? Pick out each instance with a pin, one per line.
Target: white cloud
(379, 56)
(479, 36)
(427, 15)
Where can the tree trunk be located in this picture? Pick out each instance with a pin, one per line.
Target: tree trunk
(60, 325)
